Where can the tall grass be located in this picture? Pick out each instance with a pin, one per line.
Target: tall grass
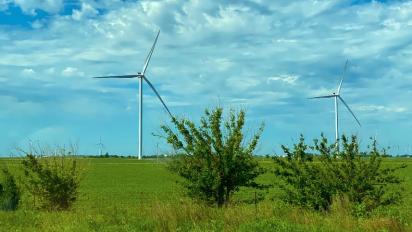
(186, 215)
(129, 195)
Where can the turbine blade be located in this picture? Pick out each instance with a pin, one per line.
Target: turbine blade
(121, 76)
(343, 75)
(158, 95)
(349, 110)
(146, 63)
(326, 96)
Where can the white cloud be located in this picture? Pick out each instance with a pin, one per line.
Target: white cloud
(37, 24)
(285, 40)
(70, 71)
(86, 11)
(240, 52)
(259, 98)
(28, 71)
(219, 64)
(287, 79)
(30, 6)
(381, 108)
(236, 18)
(50, 70)
(239, 83)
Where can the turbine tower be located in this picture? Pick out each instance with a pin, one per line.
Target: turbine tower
(338, 97)
(101, 146)
(141, 76)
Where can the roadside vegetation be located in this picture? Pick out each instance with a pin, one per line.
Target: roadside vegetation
(214, 160)
(314, 176)
(9, 191)
(52, 179)
(212, 183)
(132, 195)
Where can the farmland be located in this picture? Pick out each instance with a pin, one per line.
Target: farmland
(130, 195)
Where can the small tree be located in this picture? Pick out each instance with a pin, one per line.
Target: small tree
(54, 180)
(361, 176)
(305, 183)
(214, 160)
(9, 192)
(314, 180)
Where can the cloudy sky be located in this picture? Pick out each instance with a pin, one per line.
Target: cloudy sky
(266, 57)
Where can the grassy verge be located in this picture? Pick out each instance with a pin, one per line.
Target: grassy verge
(130, 195)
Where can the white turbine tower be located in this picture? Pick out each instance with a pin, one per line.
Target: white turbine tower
(338, 97)
(141, 76)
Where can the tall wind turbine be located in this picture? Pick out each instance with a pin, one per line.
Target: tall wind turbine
(141, 76)
(338, 97)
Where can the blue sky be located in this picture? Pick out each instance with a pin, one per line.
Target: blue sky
(263, 56)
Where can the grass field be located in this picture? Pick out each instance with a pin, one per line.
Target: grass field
(119, 194)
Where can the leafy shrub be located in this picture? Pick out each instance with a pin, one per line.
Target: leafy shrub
(361, 176)
(312, 179)
(214, 160)
(305, 182)
(54, 180)
(9, 192)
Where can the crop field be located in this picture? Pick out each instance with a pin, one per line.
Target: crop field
(119, 194)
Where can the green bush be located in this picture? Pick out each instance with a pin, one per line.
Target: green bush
(215, 160)
(9, 192)
(305, 182)
(53, 180)
(313, 175)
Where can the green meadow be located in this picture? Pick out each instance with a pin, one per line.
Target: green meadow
(119, 194)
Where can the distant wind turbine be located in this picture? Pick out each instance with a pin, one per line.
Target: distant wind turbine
(101, 146)
(141, 76)
(337, 96)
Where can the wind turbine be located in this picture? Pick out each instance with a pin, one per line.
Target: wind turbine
(101, 146)
(141, 76)
(338, 97)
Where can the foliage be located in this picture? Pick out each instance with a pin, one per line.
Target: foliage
(54, 180)
(362, 177)
(9, 192)
(314, 180)
(214, 160)
(306, 182)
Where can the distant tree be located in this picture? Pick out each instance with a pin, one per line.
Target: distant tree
(214, 159)
(314, 180)
(9, 192)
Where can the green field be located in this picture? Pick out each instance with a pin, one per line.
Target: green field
(119, 194)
